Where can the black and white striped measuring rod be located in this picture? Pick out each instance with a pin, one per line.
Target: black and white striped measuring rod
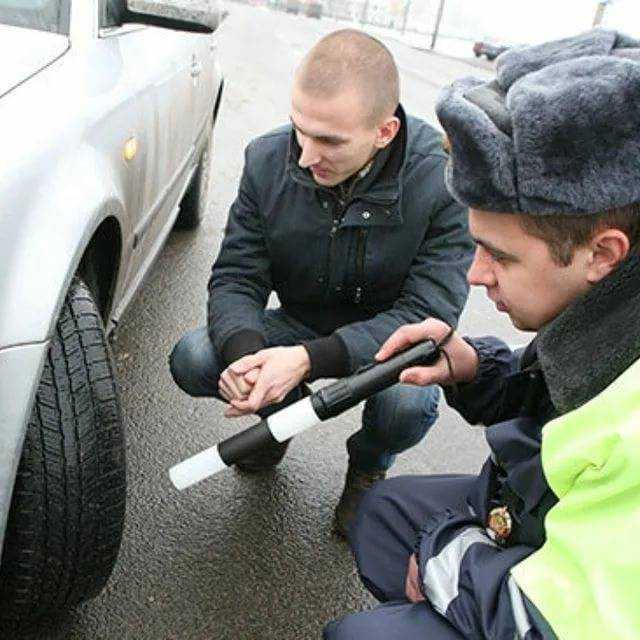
(326, 403)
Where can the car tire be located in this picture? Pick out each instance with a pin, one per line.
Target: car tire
(194, 202)
(67, 514)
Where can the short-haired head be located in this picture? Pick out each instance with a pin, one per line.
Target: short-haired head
(350, 59)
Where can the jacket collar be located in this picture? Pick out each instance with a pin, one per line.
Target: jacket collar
(381, 184)
(593, 341)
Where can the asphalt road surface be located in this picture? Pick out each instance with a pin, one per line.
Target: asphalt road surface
(243, 557)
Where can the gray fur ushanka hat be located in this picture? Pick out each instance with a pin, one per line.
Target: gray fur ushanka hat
(557, 131)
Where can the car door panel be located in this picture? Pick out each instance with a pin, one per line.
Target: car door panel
(159, 61)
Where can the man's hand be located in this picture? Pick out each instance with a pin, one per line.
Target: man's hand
(233, 386)
(273, 372)
(463, 357)
(412, 582)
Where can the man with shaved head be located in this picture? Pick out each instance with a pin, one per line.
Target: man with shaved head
(344, 214)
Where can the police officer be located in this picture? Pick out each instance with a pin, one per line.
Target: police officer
(540, 544)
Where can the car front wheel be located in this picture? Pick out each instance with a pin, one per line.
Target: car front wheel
(67, 513)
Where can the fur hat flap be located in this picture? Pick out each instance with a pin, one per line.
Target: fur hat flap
(483, 172)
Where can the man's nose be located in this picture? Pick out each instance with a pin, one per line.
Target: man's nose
(481, 271)
(309, 154)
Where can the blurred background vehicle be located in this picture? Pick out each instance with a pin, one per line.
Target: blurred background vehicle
(292, 6)
(313, 9)
(489, 51)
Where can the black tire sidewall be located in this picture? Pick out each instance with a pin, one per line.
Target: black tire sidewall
(67, 514)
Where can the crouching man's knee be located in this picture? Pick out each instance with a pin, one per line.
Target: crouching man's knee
(194, 364)
(400, 416)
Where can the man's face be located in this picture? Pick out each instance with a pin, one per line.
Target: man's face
(335, 135)
(518, 272)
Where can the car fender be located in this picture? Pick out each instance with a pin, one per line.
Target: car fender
(56, 224)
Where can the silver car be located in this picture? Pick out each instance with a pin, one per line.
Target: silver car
(106, 114)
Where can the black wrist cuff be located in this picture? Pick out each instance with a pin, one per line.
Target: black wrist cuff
(328, 356)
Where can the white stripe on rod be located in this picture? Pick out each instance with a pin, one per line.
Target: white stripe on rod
(292, 420)
(283, 425)
(196, 468)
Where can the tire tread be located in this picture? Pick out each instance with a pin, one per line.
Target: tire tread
(67, 515)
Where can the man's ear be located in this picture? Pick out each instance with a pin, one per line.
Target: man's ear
(387, 131)
(608, 249)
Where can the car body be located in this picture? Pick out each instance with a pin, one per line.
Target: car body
(313, 9)
(490, 51)
(293, 6)
(102, 126)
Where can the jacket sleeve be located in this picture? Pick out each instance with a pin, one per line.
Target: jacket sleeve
(467, 579)
(240, 281)
(436, 285)
(485, 400)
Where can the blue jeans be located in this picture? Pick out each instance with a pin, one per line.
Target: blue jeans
(393, 420)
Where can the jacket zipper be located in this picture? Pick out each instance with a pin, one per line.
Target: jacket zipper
(337, 219)
(362, 234)
(332, 234)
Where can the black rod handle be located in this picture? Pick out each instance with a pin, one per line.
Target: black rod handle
(335, 398)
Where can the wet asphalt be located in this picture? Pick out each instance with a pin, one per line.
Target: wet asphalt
(243, 557)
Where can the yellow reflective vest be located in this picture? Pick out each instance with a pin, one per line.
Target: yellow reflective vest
(585, 579)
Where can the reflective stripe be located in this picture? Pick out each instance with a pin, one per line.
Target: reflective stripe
(523, 626)
(196, 468)
(292, 420)
(442, 572)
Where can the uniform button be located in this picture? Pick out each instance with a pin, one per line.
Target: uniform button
(366, 214)
(338, 288)
(320, 279)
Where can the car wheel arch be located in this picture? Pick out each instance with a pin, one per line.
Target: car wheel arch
(100, 263)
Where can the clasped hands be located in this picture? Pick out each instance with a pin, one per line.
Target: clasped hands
(263, 378)
(266, 377)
